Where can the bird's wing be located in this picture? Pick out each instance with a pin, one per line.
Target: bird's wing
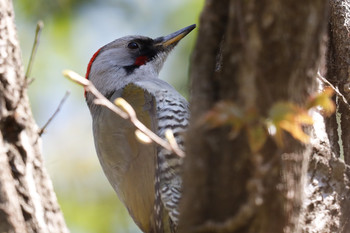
(172, 113)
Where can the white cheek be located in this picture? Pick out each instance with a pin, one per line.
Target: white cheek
(116, 57)
(104, 75)
(158, 62)
(146, 71)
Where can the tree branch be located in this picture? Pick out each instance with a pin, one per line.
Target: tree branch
(337, 92)
(39, 27)
(124, 110)
(42, 130)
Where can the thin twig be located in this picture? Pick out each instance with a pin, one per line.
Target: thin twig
(39, 27)
(123, 109)
(169, 135)
(89, 87)
(143, 138)
(120, 102)
(42, 130)
(26, 82)
(323, 79)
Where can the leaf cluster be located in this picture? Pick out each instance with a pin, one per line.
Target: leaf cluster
(283, 117)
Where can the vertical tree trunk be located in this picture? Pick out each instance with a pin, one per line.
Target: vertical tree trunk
(27, 200)
(253, 53)
(338, 63)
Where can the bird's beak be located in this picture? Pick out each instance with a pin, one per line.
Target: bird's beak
(173, 38)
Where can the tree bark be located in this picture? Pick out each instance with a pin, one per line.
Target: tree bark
(337, 73)
(27, 199)
(338, 63)
(253, 53)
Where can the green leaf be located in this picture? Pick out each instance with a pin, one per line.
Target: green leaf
(257, 136)
(290, 118)
(295, 129)
(323, 100)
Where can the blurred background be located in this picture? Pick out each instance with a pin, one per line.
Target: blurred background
(74, 30)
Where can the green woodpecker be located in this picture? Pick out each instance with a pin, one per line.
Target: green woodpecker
(146, 178)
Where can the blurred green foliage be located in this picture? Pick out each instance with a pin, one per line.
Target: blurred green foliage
(45, 9)
(74, 30)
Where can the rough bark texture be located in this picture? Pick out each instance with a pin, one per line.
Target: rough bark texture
(27, 200)
(335, 192)
(253, 53)
(338, 62)
(327, 193)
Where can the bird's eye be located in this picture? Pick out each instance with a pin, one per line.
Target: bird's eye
(133, 45)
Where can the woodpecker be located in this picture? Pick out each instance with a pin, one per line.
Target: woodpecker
(146, 178)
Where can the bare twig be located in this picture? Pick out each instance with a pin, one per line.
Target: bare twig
(26, 82)
(42, 130)
(39, 27)
(337, 92)
(143, 138)
(123, 109)
(100, 99)
(123, 104)
(171, 139)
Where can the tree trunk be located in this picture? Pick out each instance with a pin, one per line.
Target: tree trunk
(254, 54)
(338, 63)
(27, 199)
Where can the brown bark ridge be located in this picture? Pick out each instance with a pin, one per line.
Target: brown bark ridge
(328, 192)
(253, 53)
(338, 62)
(27, 199)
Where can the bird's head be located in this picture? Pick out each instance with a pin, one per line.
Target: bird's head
(131, 57)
